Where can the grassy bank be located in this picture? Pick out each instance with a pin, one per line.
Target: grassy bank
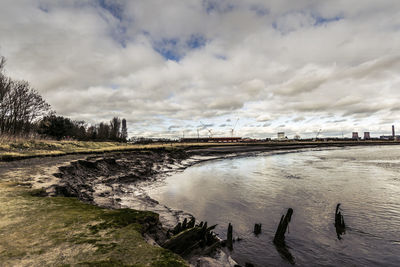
(21, 148)
(44, 231)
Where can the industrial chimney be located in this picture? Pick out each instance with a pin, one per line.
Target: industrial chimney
(393, 134)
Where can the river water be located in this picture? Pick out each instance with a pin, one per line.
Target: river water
(259, 189)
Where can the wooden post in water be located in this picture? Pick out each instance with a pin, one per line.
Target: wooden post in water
(177, 229)
(339, 222)
(279, 238)
(229, 237)
(192, 222)
(257, 228)
(184, 224)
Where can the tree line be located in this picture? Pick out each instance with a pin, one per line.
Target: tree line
(24, 112)
(61, 127)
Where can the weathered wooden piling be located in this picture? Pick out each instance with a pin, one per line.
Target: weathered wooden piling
(229, 240)
(184, 224)
(193, 238)
(279, 238)
(339, 222)
(191, 223)
(177, 229)
(257, 228)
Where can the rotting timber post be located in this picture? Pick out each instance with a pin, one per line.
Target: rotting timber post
(229, 237)
(339, 222)
(279, 238)
(257, 228)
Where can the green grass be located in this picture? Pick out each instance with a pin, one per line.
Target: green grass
(12, 149)
(44, 231)
(19, 148)
(29, 148)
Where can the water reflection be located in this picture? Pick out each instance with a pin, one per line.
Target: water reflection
(245, 191)
(279, 238)
(285, 254)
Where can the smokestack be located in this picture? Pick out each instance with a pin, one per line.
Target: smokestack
(393, 131)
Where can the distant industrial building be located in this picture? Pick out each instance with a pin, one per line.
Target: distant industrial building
(390, 137)
(367, 136)
(355, 135)
(212, 140)
(281, 136)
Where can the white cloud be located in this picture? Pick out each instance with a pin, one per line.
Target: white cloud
(159, 64)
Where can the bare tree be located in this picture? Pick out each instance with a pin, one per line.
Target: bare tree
(115, 128)
(103, 132)
(20, 105)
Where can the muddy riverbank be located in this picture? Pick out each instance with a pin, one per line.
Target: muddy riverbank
(36, 230)
(114, 180)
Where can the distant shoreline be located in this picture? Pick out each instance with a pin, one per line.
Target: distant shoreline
(17, 150)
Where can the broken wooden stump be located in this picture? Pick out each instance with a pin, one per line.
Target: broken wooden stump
(184, 240)
(184, 224)
(229, 240)
(190, 239)
(339, 222)
(279, 238)
(257, 228)
(177, 229)
(191, 223)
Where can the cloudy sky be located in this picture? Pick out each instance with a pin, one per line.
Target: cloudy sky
(165, 66)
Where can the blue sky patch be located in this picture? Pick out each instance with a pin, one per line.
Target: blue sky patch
(321, 20)
(196, 41)
(117, 31)
(168, 48)
(175, 48)
(113, 8)
(217, 6)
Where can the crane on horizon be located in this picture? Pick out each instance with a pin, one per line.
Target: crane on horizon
(233, 129)
(209, 130)
(316, 136)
